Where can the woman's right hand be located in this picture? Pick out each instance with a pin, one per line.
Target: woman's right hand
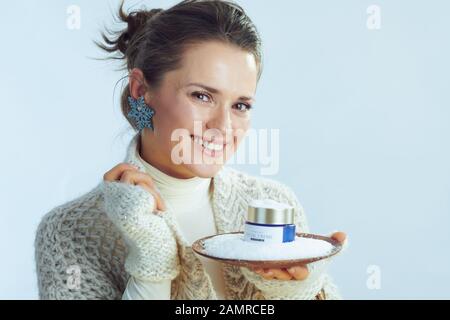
(133, 204)
(127, 173)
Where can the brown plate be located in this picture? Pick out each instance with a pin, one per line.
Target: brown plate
(198, 247)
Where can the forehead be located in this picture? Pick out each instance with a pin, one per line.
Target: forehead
(223, 66)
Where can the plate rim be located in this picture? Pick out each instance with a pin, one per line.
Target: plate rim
(337, 246)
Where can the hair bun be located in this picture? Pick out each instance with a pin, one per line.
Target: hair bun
(135, 20)
(119, 40)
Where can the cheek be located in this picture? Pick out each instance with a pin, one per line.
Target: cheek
(182, 112)
(240, 122)
(240, 127)
(174, 114)
(244, 123)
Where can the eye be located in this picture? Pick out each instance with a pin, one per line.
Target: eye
(201, 95)
(242, 107)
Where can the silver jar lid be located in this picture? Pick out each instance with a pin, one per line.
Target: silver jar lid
(268, 211)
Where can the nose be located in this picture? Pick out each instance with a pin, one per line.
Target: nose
(221, 121)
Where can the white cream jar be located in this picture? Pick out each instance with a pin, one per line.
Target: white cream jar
(269, 221)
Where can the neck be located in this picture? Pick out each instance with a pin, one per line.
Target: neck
(157, 160)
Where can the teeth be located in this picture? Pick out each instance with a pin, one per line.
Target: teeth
(208, 145)
(213, 146)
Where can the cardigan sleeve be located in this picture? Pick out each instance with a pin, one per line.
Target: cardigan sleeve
(306, 289)
(318, 277)
(151, 243)
(64, 270)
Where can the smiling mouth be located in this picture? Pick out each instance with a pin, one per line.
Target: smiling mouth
(208, 145)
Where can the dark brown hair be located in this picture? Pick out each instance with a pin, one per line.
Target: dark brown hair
(154, 40)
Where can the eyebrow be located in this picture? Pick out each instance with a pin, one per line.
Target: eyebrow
(213, 90)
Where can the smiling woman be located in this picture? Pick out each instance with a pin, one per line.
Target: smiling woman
(230, 73)
(193, 66)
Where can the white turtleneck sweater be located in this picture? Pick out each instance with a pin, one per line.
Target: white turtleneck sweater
(196, 221)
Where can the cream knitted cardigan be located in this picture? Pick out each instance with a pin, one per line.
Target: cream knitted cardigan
(80, 254)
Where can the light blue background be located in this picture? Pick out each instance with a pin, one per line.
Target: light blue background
(364, 119)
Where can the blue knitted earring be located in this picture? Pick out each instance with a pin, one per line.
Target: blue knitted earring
(141, 113)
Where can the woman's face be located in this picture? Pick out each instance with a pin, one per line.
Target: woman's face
(207, 99)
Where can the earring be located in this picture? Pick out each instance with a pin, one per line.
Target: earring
(141, 113)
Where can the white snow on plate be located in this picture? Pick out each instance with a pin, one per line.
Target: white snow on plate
(233, 246)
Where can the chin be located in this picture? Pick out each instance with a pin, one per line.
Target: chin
(204, 170)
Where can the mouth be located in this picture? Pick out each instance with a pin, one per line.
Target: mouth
(210, 148)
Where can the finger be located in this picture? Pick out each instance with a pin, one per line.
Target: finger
(298, 272)
(158, 198)
(116, 172)
(256, 269)
(266, 274)
(281, 274)
(339, 236)
(136, 177)
(145, 178)
(159, 203)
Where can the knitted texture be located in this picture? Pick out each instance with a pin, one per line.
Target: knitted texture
(85, 249)
(298, 289)
(152, 247)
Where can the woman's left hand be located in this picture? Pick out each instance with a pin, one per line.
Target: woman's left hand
(299, 272)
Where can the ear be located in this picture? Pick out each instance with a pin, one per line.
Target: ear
(136, 83)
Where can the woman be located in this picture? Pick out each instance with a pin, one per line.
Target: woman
(193, 72)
